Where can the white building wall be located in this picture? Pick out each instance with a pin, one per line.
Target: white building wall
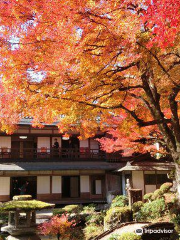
(56, 184)
(5, 142)
(43, 142)
(4, 185)
(43, 184)
(138, 180)
(84, 184)
(94, 146)
(84, 143)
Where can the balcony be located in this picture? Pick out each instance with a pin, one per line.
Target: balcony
(52, 154)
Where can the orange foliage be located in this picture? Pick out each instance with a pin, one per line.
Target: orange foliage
(109, 65)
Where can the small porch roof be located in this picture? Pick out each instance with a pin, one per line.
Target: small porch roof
(147, 166)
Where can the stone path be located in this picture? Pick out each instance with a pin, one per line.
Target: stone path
(127, 228)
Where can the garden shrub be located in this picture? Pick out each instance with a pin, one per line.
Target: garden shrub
(96, 218)
(76, 233)
(91, 208)
(171, 201)
(3, 218)
(117, 215)
(58, 211)
(176, 221)
(73, 208)
(92, 230)
(152, 210)
(94, 225)
(67, 209)
(166, 187)
(148, 196)
(119, 201)
(114, 236)
(137, 206)
(157, 194)
(129, 236)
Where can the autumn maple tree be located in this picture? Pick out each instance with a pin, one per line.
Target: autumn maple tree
(58, 226)
(109, 65)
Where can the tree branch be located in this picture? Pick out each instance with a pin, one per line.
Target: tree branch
(174, 110)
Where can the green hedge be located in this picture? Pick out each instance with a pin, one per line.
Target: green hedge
(117, 215)
(157, 194)
(67, 209)
(129, 236)
(92, 230)
(119, 201)
(125, 236)
(136, 207)
(148, 196)
(166, 187)
(152, 210)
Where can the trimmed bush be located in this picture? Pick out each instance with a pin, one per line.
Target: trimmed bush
(90, 209)
(92, 230)
(73, 208)
(3, 218)
(157, 194)
(176, 221)
(152, 210)
(136, 207)
(148, 196)
(96, 218)
(119, 201)
(166, 187)
(129, 236)
(117, 215)
(67, 209)
(114, 236)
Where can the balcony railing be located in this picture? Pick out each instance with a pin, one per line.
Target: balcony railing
(43, 153)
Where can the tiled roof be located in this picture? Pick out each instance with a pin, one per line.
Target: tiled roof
(147, 166)
(46, 166)
(28, 121)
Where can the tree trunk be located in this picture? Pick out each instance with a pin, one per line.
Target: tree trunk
(178, 181)
(58, 236)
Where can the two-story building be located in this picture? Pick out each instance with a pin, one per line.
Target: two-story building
(53, 167)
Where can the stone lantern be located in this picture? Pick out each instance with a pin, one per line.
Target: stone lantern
(22, 217)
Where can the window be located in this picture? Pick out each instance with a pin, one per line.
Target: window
(162, 178)
(97, 187)
(153, 179)
(150, 179)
